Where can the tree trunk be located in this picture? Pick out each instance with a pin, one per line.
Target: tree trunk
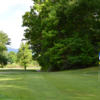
(2, 65)
(25, 67)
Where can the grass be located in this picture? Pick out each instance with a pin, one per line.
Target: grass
(91, 70)
(65, 85)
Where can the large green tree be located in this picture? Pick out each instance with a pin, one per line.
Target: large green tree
(24, 55)
(12, 57)
(3, 59)
(65, 34)
(4, 40)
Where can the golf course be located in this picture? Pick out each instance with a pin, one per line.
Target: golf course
(50, 50)
(79, 84)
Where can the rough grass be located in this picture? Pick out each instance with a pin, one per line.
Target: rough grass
(91, 70)
(65, 85)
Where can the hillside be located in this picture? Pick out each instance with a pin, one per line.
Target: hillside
(12, 49)
(90, 70)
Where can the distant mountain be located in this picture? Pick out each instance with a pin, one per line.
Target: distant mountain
(12, 49)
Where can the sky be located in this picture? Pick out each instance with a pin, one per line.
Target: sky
(11, 12)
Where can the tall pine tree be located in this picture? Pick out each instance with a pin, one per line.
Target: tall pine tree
(24, 55)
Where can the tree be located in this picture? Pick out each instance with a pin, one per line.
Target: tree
(65, 34)
(4, 40)
(3, 59)
(12, 57)
(24, 55)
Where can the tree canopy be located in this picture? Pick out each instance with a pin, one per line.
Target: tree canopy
(12, 57)
(24, 55)
(65, 34)
(4, 40)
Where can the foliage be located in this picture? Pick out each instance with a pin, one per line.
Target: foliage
(12, 57)
(24, 55)
(33, 64)
(65, 34)
(3, 59)
(13, 65)
(4, 40)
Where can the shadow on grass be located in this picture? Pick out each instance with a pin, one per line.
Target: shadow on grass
(13, 87)
(16, 70)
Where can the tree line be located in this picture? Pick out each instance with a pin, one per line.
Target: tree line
(64, 34)
(61, 34)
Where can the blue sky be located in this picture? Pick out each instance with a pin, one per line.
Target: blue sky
(11, 12)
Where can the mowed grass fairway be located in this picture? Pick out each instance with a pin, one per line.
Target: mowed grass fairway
(64, 85)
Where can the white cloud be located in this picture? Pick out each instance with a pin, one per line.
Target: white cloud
(14, 31)
(5, 4)
(18, 17)
(12, 24)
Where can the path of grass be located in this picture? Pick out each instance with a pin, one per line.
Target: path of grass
(48, 86)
